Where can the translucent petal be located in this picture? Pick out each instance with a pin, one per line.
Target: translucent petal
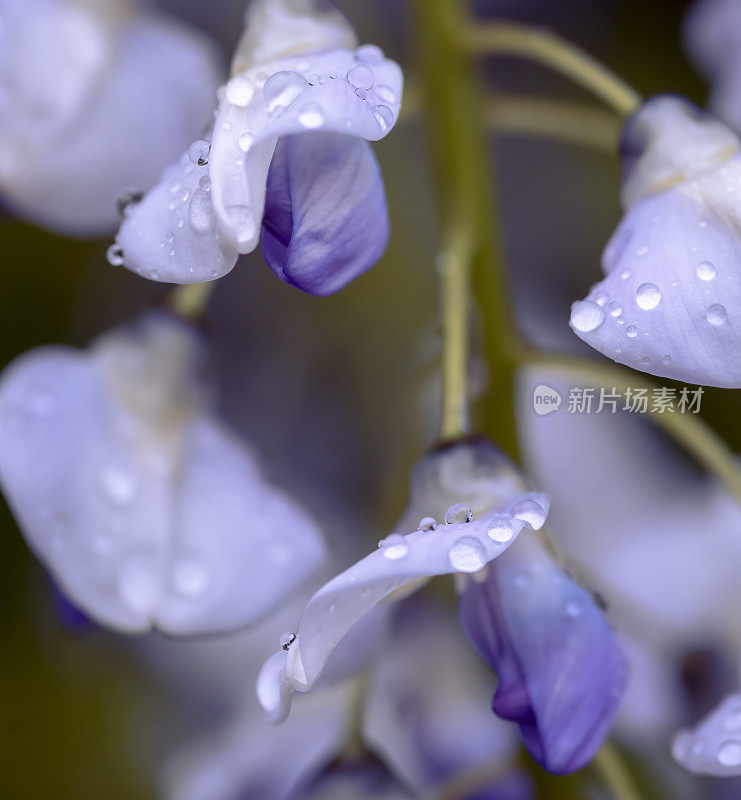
(714, 746)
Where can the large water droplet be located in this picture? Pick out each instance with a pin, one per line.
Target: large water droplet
(199, 212)
(729, 753)
(282, 89)
(239, 91)
(467, 554)
(587, 316)
(427, 524)
(361, 77)
(716, 315)
(394, 546)
(648, 296)
(384, 117)
(199, 152)
(115, 255)
(706, 271)
(531, 513)
(458, 512)
(500, 529)
(190, 578)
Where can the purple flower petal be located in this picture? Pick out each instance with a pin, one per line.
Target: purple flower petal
(325, 219)
(561, 673)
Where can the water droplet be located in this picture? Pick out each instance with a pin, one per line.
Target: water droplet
(205, 183)
(648, 296)
(601, 298)
(362, 94)
(199, 212)
(118, 485)
(315, 79)
(666, 360)
(361, 77)
(394, 546)
(190, 578)
(625, 274)
(587, 316)
(642, 251)
(531, 513)
(631, 332)
(126, 199)
(615, 309)
(467, 554)
(458, 512)
(311, 117)
(706, 271)
(500, 529)
(370, 53)
(239, 91)
(282, 89)
(574, 609)
(384, 117)
(620, 320)
(245, 141)
(287, 640)
(716, 315)
(199, 152)
(115, 255)
(427, 524)
(729, 753)
(645, 360)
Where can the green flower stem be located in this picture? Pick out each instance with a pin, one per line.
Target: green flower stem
(189, 300)
(544, 47)
(470, 241)
(608, 763)
(688, 430)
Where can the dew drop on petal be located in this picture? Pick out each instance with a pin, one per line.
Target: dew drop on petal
(531, 513)
(458, 512)
(361, 77)
(587, 316)
(311, 117)
(601, 298)
(666, 360)
(287, 640)
(427, 524)
(239, 91)
(631, 332)
(500, 529)
(205, 183)
(716, 315)
(190, 578)
(245, 141)
(648, 296)
(729, 753)
(394, 546)
(625, 274)
(119, 486)
(199, 212)
(199, 152)
(115, 255)
(467, 554)
(282, 89)
(384, 117)
(126, 199)
(706, 271)
(615, 309)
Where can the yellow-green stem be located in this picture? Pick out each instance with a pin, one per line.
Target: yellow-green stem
(458, 143)
(544, 47)
(609, 764)
(189, 300)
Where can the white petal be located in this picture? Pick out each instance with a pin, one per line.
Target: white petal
(401, 562)
(671, 302)
(100, 101)
(714, 746)
(279, 28)
(145, 511)
(325, 91)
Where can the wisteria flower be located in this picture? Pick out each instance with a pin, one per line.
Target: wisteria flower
(671, 299)
(96, 97)
(145, 509)
(287, 161)
(564, 718)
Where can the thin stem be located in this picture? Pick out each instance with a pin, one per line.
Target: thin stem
(458, 142)
(688, 430)
(609, 764)
(575, 123)
(189, 300)
(508, 38)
